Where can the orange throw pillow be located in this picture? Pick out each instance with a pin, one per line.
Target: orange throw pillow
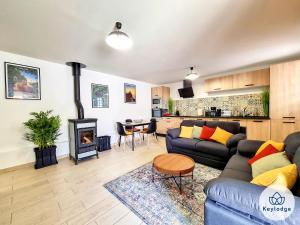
(266, 151)
(207, 132)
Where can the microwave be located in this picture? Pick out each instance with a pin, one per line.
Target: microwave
(156, 101)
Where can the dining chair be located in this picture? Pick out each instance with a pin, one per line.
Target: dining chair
(123, 133)
(150, 130)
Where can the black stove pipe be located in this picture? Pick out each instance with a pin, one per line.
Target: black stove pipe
(76, 71)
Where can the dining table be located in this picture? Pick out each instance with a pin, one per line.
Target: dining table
(134, 124)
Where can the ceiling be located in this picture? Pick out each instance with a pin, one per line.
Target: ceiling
(169, 36)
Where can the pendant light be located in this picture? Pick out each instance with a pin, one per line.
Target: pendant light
(192, 75)
(118, 39)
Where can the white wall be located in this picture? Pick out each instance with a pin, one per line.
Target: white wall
(57, 94)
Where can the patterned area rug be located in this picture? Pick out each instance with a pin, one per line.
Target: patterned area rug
(160, 203)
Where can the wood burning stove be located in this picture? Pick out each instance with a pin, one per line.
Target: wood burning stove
(82, 132)
(83, 138)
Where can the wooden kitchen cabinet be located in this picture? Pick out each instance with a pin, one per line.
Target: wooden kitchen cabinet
(161, 92)
(285, 91)
(218, 84)
(166, 123)
(258, 130)
(281, 128)
(258, 78)
(243, 122)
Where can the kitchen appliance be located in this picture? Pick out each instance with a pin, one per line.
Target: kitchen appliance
(200, 112)
(219, 112)
(156, 101)
(187, 90)
(213, 111)
(226, 113)
(158, 112)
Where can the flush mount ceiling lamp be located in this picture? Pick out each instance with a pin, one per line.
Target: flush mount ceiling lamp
(118, 39)
(192, 75)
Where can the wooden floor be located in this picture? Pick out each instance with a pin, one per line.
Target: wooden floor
(67, 194)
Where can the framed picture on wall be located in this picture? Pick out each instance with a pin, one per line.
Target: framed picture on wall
(22, 82)
(130, 93)
(100, 96)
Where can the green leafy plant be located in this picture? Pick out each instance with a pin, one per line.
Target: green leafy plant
(43, 129)
(170, 105)
(265, 96)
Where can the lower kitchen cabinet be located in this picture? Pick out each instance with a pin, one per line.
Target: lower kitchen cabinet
(243, 122)
(281, 128)
(258, 130)
(166, 123)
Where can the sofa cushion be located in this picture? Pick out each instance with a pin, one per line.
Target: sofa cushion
(186, 132)
(269, 162)
(185, 143)
(212, 148)
(207, 132)
(232, 127)
(267, 151)
(278, 145)
(285, 176)
(236, 174)
(196, 132)
(221, 136)
(187, 123)
(239, 162)
(248, 148)
(292, 143)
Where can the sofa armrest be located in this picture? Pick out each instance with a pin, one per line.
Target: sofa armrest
(173, 133)
(243, 197)
(234, 140)
(248, 148)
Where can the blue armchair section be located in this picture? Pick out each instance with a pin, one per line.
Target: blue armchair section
(233, 200)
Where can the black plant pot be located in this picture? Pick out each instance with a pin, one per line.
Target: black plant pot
(45, 157)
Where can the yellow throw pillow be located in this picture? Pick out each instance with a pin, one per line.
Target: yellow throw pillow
(278, 145)
(221, 136)
(186, 132)
(285, 176)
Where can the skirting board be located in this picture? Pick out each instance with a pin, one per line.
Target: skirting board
(31, 164)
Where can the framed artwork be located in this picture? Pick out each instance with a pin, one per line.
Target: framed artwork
(130, 93)
(100, 96)
(22, 82)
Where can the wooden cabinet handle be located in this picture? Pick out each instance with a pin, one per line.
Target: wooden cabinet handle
(249, 85)
(287, 122)
(236, 120)
(288, 117)
(216, 89)
(257, 121)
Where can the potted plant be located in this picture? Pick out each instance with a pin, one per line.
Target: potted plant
(43, 132)
(265, 96)
(170, 105)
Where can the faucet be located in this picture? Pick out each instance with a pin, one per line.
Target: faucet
(244, 112)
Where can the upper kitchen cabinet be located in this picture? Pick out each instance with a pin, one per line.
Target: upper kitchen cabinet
(285, 91)
(218, 84)
(257, 78)
(161, 92)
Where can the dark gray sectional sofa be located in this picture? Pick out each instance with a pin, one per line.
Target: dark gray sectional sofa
(207, 152)
(232, 199)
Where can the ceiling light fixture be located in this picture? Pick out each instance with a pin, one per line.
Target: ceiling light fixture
(118, 39)
(192, 75)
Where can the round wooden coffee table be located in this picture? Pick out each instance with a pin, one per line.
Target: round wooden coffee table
(173, 165)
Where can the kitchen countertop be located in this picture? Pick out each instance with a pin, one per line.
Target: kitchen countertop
(225, 117)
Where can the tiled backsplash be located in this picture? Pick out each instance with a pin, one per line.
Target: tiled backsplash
(236, 104)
